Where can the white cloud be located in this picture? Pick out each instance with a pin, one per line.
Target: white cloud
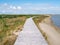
(14, 7)
(18, 7)
(40, 8)
(3, 11)
(5, 4)
(29, 8)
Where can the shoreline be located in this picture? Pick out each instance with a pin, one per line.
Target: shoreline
(50, 31)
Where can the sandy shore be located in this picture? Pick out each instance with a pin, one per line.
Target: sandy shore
(53, 36)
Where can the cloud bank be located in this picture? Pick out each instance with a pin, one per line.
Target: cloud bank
(29, 9)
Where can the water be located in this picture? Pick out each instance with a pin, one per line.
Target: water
(30, 35)
(56, 20)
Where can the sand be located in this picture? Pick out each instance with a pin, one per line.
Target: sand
(53, 36)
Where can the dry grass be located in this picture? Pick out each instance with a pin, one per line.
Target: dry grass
(9, 24)
(38, 20)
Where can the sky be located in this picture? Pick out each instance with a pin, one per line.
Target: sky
(29, 6)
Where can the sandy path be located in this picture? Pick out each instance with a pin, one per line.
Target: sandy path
(30, 35)
(52, 35)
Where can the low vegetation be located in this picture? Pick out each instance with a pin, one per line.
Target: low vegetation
(38, 20)
(9, 24)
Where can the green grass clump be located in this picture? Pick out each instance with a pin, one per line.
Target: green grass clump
(39, 18)
(10, 23)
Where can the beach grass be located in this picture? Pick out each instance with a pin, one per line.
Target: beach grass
(9, 24)
(38, 20)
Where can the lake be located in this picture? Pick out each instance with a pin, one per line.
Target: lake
(56, 20)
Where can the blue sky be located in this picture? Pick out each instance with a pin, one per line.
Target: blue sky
(29, 6)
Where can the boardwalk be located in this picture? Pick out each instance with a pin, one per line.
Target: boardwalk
(30, 35)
